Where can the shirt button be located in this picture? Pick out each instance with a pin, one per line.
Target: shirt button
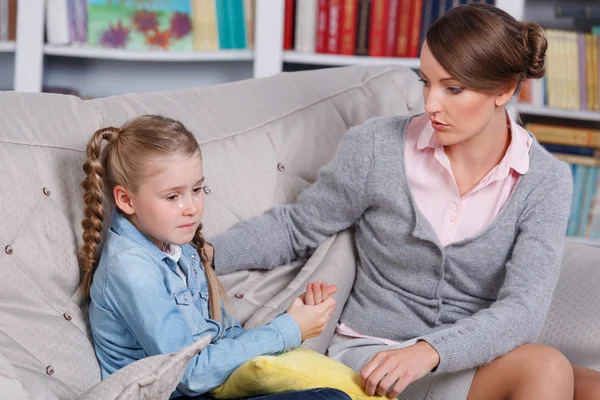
(186, 297)
(193, 256)
(8, 250)
(46, 191)
(206, 189)
(454, 218)
(280, 167)
(49, 370)
(67, 317)
(239, 295)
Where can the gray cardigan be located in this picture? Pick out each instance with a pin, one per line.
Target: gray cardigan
(473, 300)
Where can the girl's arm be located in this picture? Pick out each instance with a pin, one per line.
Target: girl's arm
(517, 317)
(333, 203)
(136, 293)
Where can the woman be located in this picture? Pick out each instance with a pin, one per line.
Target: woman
(459, 218)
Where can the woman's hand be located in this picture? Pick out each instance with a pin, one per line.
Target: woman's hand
(316, 293)
(391, 371)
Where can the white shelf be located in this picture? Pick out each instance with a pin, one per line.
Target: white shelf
(7, 47)
(558, 113)
(584, 240)
(338, 59)
(147, 55)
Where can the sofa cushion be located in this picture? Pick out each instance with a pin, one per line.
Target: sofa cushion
(152, 378)
(573, 322)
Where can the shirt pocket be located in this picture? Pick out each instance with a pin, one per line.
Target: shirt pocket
(186, 304)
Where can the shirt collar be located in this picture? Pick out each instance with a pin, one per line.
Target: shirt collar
(517, 154)
(123, 227)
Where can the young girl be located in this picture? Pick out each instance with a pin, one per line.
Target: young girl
(459, 217)
(153, 291)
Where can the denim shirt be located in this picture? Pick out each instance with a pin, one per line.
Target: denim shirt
(141, 307)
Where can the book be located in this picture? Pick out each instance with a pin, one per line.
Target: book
(348, 27)
(128, 24)
(565, 135)
(305, 26)
(288, 25)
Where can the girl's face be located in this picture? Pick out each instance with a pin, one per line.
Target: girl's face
(457, 113)
(168, 205)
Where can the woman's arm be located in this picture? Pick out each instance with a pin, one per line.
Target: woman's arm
(518, 315)
(137, 295)
(334, 202)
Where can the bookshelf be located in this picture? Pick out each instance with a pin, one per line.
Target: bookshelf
(543, 111)
(90, 69)
(339, 60)
(149, 56)
(7, 47)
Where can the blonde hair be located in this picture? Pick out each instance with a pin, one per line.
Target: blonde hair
(122, 162)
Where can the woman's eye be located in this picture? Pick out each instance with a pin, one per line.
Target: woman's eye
(423, 81)
(455, 90)
(172, 197)
(197, 189)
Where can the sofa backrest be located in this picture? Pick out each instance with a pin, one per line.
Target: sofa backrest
(263, 142)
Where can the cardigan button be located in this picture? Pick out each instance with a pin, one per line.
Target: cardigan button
(8, 250)
(280, 167)
(49, 370)
(46, 191)
(239, 295)
(206, 189)
(67, 317)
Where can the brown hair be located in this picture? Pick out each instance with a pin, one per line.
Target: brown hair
(122, 162)
(486, 49)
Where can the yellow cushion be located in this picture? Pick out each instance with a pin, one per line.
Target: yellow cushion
(298, 369)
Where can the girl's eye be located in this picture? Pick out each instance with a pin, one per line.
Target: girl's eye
(423, 81)
(455, 90)
(172, 197)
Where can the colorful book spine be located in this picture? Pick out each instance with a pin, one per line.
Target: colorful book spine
(362, 29)
(391, 25)
(348, 27)
(334, 15)
(377, 28)
(589, 191)
(403, 28)
(225, 39)
(288, 25)
(416, 7)
(579, 178)
(306, 22)
(322, 20)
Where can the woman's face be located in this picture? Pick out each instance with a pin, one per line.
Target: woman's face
(457, 113)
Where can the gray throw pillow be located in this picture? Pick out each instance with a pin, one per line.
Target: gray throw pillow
(153, 377)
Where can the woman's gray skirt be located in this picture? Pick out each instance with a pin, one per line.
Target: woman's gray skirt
(357, 352)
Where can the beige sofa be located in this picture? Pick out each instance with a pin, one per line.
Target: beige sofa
(263, 142)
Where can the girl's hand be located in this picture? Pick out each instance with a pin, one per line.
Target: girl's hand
(317, 293)
(391, 371)
(311, 319)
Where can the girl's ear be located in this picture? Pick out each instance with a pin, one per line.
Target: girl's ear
(123, 199)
